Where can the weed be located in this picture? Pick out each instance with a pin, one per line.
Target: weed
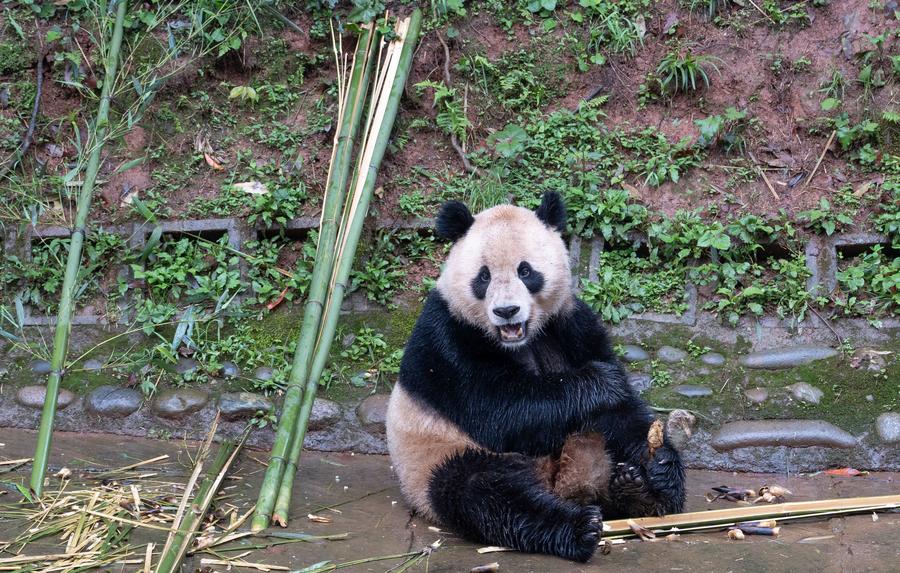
(834, 85)
(41, 278)
(680, 72)
(869, 287)
(451, 115)
(824, 219)
(751, 288)
(269, 279)
(729, 129)
(382, 272)
(659, 376)
(627, 284)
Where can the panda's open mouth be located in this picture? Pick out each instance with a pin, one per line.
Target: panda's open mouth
(513, 332)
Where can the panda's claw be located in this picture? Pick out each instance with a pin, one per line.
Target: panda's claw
(587, 528)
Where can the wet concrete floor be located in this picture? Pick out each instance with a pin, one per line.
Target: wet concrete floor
(378, 523)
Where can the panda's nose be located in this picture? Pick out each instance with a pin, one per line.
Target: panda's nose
(506, 311)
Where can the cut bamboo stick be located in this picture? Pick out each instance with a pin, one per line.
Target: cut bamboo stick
(385, 101)
(64, 315)
(349, 115)
(620, 527)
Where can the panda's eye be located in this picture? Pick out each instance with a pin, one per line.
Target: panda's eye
(524, 270)
(485, 275)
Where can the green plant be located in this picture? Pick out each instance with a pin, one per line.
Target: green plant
(833, 86)
(869, 287)
(610, 212)
(660, 377)
(41, 278)
(680, 72)
(627, 284)
(382, 272)
(451, 115)
(824, 219)
(269, 279)
(729, 129)
(752, 288)
(518, 79)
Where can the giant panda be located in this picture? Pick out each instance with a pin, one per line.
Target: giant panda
(512, 422)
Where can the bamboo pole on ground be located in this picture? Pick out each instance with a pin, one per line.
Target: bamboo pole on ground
(190, 516)
(349, 115)
(64, 315)
(726, 517)
(382, 113)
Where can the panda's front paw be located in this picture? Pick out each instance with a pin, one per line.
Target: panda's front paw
(628, 481)
(586, 530)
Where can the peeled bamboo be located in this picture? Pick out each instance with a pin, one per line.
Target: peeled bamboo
(349, 118)
(64, 315)
(383, 111)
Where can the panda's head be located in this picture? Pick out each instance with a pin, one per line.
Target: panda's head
(508, 270)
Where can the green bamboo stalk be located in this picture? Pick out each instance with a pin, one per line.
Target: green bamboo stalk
(351, 234)
(64, 315)
(187, 527)
(322, 270)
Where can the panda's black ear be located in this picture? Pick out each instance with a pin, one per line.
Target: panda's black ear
(453, 221)
(552, 211)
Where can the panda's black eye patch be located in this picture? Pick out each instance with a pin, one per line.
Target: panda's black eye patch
(481, 282)
(532, 279)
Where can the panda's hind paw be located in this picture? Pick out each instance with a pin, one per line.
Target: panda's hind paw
(587, 528)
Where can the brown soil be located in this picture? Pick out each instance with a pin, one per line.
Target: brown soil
(783, 105)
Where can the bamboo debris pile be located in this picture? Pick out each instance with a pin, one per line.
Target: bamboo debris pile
(93, 523)
(343, 214)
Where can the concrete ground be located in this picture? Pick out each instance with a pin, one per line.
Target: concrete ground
(378, 522)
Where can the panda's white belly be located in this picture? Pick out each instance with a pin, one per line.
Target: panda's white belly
(419, 439)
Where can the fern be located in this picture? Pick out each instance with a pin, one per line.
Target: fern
(451, 117)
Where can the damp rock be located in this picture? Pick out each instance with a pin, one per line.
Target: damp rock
(888, 427)
(178, 403)
(806, 392)
(757, 395)
(671, 355)
(186, 365)
(230, 370)
(324, 414)
(793, 433)
(92, 365)
(680, 427)
(263, 373)
(372, 413)
(712, 359)
(34, 396)
(692, 390)
(634, 353)
(40, 366)
(242, 405)
(640, 381)
(112, 402)
(776, 358)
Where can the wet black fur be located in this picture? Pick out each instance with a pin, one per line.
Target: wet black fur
(524, 403)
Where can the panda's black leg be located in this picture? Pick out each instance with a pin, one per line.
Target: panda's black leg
(498, 499)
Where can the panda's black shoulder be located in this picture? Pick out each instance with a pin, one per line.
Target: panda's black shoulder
(581, 333)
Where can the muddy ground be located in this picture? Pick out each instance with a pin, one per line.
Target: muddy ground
(379, 523)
